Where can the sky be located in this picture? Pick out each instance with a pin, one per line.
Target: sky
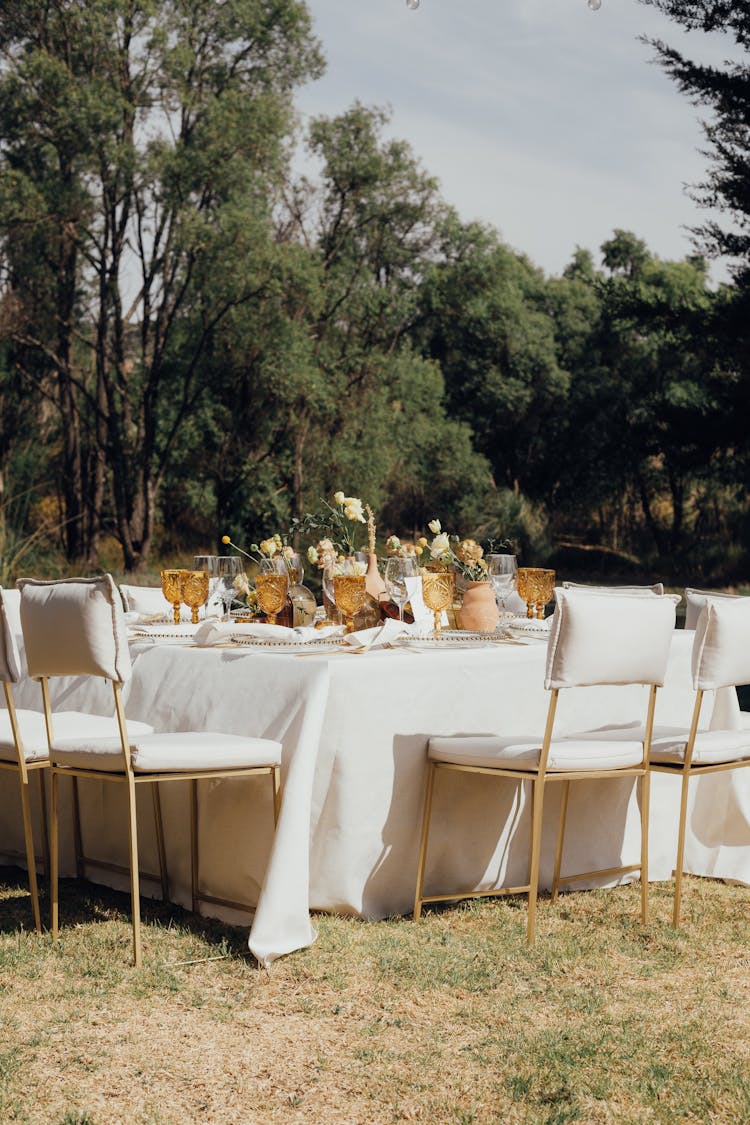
(543, 118)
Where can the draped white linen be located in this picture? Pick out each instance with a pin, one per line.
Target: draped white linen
(354, 732)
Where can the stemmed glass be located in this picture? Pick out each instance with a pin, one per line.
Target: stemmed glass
(209, 563)
(271, 586)
(437, 592)
(397, 570)
(349, 594)
(502, 574)
(228, 568)
(171, 587)
(194, 591)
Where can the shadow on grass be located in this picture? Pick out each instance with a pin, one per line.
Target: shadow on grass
(83, 903)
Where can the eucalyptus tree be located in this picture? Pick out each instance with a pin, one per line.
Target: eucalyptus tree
(140, 142)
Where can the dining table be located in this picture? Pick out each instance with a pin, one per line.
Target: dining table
(354, 728)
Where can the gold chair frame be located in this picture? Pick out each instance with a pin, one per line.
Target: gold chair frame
(26, 770)
(132, 779)
(540, 778)
(686, 770)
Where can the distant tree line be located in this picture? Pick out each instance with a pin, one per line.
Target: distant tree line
(195, 341)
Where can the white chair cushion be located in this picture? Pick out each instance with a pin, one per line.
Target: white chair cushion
(74, 627)
(604, 639)
(517, 752)
(696, 599)
(157, 753)
(11, 662)
(721, 648)
(149, 601)
(629, 591)
(65, 724)
(712, 747)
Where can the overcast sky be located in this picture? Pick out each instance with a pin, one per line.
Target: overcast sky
(541, 117)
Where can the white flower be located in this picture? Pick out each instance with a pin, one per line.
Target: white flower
(339, 498)
(434, 526)
(312, 555)
(240, 584)
(350, 568)
(269, 547)
(353, 510)
(440, 546)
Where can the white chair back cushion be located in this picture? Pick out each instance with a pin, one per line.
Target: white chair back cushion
(74, 627)
(696, 599)
(721, 649)
(603, 639)
(631, 591)
(148, 600)
(11, 662)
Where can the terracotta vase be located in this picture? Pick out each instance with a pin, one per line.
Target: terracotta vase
(479, 611)
(374, 583)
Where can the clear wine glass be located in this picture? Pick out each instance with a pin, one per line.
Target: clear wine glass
(228, 568)
(397, 570)
(209, 563)
(502, 574)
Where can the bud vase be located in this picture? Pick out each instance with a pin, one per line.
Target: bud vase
(479, 612)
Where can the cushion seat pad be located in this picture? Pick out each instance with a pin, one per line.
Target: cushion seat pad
(712, 747)
(517, 752)
(65, 724)
(161, 753)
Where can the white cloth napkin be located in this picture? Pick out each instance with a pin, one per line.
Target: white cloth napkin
(214, 632)
(419, 610)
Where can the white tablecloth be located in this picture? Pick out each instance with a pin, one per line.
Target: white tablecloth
(354, 731)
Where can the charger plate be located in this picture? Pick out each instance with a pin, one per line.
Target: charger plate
(324, 644)
(529, 627)
(452, 638)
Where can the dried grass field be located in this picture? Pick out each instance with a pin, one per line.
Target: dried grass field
(448, 1020)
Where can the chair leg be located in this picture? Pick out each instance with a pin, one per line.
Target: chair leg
(560, 838)
(194, 872)
(77, 838)
(28, 836)
(645, 813)
(276, 787)
(53, 856)
(135, 891)
(423, 839)
(45, 825)
(159, 826)
(536, 852)
(680, 850)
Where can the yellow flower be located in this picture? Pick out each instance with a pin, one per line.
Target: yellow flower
(469, 551)
(225, 539)
(422, 542)
(434, 526)
(353, 509)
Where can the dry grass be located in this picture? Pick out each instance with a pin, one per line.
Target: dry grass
(449, 1020)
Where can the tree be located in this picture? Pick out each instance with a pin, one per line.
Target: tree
(139, 143)
(725, 91)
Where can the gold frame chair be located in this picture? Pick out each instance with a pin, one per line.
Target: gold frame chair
(46, 660)
(579, 607)
(720, 660)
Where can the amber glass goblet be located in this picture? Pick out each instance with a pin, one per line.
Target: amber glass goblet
(171, 588)
(271, 587)
(349, 594)
(194, 591)
(437, 593)
(536, 586)
(545, 590)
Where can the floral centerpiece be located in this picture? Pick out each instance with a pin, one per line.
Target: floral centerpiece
(465, 556)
